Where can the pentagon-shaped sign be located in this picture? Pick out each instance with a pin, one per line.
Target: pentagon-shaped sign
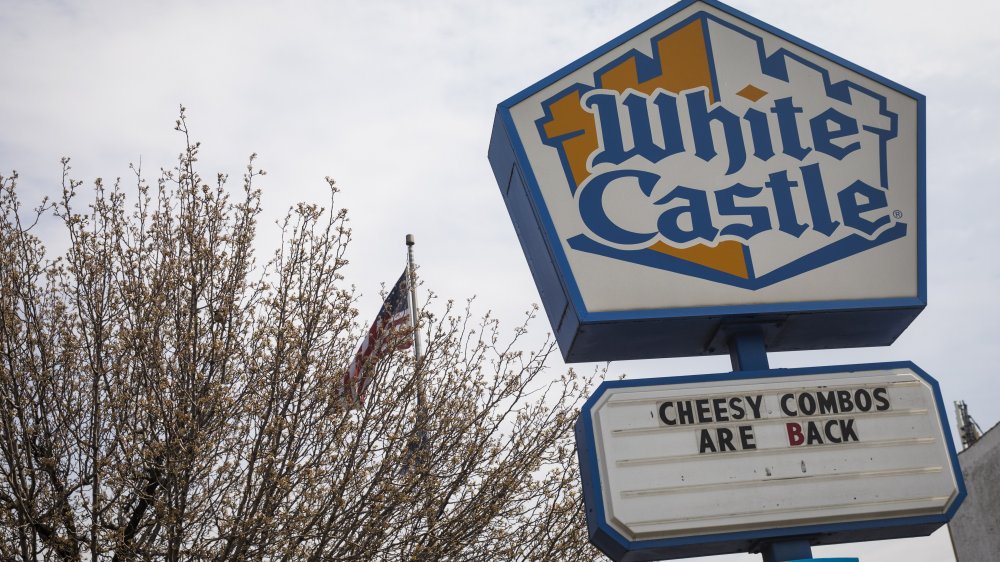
(706, 167)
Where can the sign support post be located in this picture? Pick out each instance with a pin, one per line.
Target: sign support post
(748, 352)
(746, 348)
(787, 551)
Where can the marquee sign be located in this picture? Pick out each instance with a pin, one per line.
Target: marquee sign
(707, 165)
(694, 466)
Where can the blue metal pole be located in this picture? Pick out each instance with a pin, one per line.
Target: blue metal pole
(748, 352)
(787, 550)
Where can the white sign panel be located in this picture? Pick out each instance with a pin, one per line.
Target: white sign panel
(770, 450)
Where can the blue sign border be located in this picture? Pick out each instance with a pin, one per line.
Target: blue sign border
(585, 335)
(621, 549)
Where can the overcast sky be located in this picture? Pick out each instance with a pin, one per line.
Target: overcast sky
(395, 100)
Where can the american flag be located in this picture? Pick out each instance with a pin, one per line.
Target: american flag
(390, 331)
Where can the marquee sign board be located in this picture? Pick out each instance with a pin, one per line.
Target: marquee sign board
(702, 465)
(707, 166)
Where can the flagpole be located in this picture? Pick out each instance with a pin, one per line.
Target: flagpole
(418, 350)
(418, 356)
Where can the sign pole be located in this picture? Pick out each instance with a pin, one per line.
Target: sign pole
(748, 352)
(787, 551)
(746, 348)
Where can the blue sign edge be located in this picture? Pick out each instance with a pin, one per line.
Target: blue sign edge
(620, 549)
(505, 148)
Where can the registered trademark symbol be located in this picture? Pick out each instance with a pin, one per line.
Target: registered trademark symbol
(898, 214)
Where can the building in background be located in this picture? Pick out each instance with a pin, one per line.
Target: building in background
(975, 528)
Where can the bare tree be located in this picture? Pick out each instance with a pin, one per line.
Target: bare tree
(164, 397)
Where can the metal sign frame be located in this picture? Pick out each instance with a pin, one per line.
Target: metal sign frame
(620, 548)
(586, 335)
